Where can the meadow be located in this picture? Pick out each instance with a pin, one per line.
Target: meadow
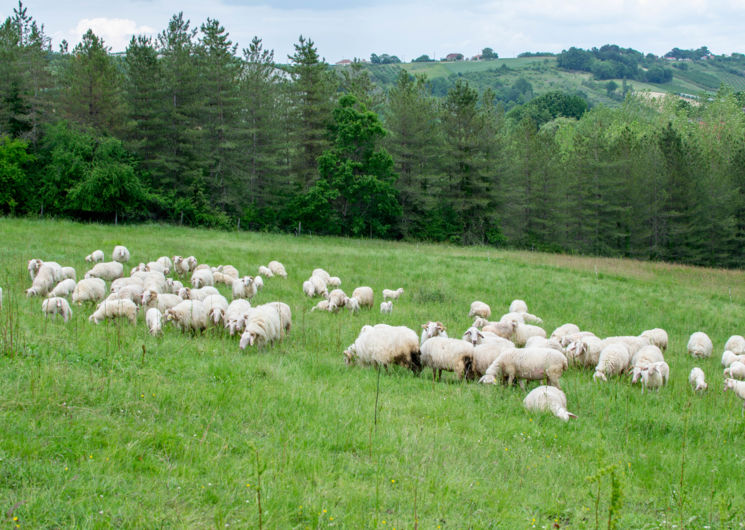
(106, 426)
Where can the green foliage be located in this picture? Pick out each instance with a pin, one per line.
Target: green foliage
(423, 59)
(550, 106)
(384, 59)
(14, 181)
(488, 53)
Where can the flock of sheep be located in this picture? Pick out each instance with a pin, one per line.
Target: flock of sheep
(512, 348)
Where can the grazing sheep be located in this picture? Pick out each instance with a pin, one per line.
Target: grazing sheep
(655, 375)
(334, 281)
(365, 296)
(643, 358)
(319, 286)
(697, 379)
(432, 329)
(728, 358)
(216, 305)
(261, 326)
(198, 294)
(33, 267)
(244, 288)
(479, 309)
(173, 286)
(308, 289)
(188, 315)
(565, 330)
(323, 305)
(63, 288)
(656, 336)
(154, 321)
(113, 309)
(126, 281)
(453, 355)
(183, 266)
(163, 301)
(393, 295)
(89, 290)
(735, 344)
(386, 307)
(202, 278)
(233, 316)
(353, 304)
(285, 316)
(736, 370)
(44, 281)
(518, 306)
(57, 306)
(95, 256)
(529, 364)
(265, 271)
(634, 344)
(502, 329)
(383, 345)
(120, 254)
(614, 360)
(738, 387)
(585, 351)
(165, 262)
(68, 273)
(522, 318)
(699, 345)
(154, 266)
(153, 280)
(109, 270)
(486, 353)
(259, 282)
(325, 276)
(277, 268)
(524, 332)
(203, 266)
(337, 298)
(546, 398)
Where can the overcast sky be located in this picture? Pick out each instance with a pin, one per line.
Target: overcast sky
(409, 28)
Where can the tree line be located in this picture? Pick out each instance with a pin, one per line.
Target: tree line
(186, 128)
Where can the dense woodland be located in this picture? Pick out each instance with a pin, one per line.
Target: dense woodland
(186, 128)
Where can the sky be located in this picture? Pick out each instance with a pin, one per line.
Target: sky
(410, 28)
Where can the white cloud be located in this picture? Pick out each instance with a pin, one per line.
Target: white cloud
(116, 32)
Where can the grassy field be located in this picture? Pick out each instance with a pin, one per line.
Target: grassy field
(105, 426)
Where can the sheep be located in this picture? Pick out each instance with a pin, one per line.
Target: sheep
(63, 288)
(527, 364)
(614, 360)
(386, 307)
(486, 353)
(188, 315)
(353, 304)
(173, 286)
(634, 344)
(183, 266)
(233, 316)
(33, 267)
(536, 341)
(699, 345)
(244, 288)
(154, 321)
(197, 294)
(697, 379)
(163, 301)
(503, 329)
(113, 309)
(546, 398)
(453, 355)
(202, 266)
(523, 318)
(261, 326)
(68, 273)
(95, 256)
(265, 271)
(585, 351)
(323, 305)
(735, 344)
(202, 278)
(518, 306)
(337, 297)
(322, 274)
(120, 254)
(89, 290)
(57, 306)
(278, 269)
(140, 267)
(109, 270)
(126, 281)
(153, 280)
(228, 272)
(655, 375)
(216, 305)
(479, 309)
(334, 281)
(432, 329)
(656, 336)
(728, 358)
(365, 296)
(393, 295)
(259, 282)
(319, 286)
(383, 345)
(524, 332)
(309, 289)
(44, 281)
(736, 370)
(472, 334)
(738, 387)
(643, 358)
(564, 330)
(132, 292)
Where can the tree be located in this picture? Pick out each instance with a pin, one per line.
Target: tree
(423, 59)
(14, 182)
(488, 53)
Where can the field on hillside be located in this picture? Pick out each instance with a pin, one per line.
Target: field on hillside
(106, 426)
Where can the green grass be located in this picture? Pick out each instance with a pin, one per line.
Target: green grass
(97, 434)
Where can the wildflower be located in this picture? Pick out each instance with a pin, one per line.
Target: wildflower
(393, 481)
(324, 510)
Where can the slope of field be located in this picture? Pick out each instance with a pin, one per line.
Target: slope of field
(106, 426)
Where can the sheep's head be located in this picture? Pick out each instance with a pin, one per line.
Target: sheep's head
(34, 264)
(480, 322)
(191, 262)
(169, 315)
(247, 339)
(349, 356)
(196, 282)
(217, 314)
(473, 335)
(31, 291)
(185, 293)
(599, 376)
(89, 258)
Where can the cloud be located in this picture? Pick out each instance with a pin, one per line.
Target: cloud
(116, 32)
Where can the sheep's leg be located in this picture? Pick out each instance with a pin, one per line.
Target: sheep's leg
(522, 384)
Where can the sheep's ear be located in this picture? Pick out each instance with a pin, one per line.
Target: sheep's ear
(572, 416)
(424, 326)
(480, 334)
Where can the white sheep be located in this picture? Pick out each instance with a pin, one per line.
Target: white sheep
(323, 305)
(518, 306)
(261, 326)
(633, 343)
(523, 318)
(132, 292)
(697, 379)
(233, 317)
(244, 288)
(120, 254)
(393, 295)
(479, 309)
(656, 336)
(337, 298)
(154, 321)
(108, 270)
(524, 332)
(259, 282)
(285, 316)
(153, 280)
(736, 370)
(383, 345)
(113, 309)
(33, 267)
(386, 307)
(44, 281)
(319, 286)
(68, 273)
(365, 296)
(485, 353)
(308, 289)
(432, 329)
(334, 281)
(277, 268)
(173, 286)
(452, 355)
(353, 304)
(325, 276)
(699, 345)
(57, 306)
(529, 364)
(728, 358)
(655, 375)
(585, 351)
(153, 266)
(643, 358)
(503, 329)
(188, 315)
(63, 288)
(547, 398)
(738, 387)
(183, 266)
(163, 301)
(265, 271)
(614, 360)
(95, 256)
(89, 290)
(735, 344)
(563, 331)
(202, 278)
(197, 294)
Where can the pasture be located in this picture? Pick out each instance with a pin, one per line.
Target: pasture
(106, 426)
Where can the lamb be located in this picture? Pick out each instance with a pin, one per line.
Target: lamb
(642, 359)
(197, 294)
(44, 281)
(386, 307)
(432, 329)
(393, 295)
(113, 309)
(277, 268)
(261, 326)
(68, 273)
(89, 290)
(479, 309)
(453, 355)
(120, 254)
(154, 321)
(735, 344)
(233, 316)
(656, 336)
(353, 304)
(738, 387)
(486, 353)
(518, 306)
(188, 315)
(527, 364)
(383, 345)
(244, 288)
(655, 375)
(109, 270)
(585, 351)
(524, 332)
(546, 398)
(614, 360)
(265, 271)
(334, 281)
(57, 306)
(728, 358)
(323, 305)
(95, 256)
(697, 380)
(736, 370)
(258, 281)
(699, 345)
(337, 298)
(63, 288)
(365, 296)
(202, 277)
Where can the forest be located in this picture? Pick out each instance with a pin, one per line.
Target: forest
(185, 128)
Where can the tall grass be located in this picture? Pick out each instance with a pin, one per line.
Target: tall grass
(108, 426)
